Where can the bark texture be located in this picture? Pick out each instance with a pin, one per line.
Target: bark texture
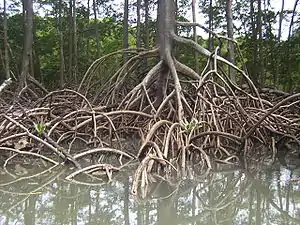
(28, 39)
(231, 53)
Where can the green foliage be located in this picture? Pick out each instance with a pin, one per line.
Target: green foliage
(40, 127)
(290, 60)
(46, 43)
(189, 126)
(277, 63)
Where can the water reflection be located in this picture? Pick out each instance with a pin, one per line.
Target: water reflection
(227, 197)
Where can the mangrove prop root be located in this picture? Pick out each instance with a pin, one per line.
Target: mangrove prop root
(170, 118)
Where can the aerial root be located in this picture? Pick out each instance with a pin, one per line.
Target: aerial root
(202, 120)
(56, 126)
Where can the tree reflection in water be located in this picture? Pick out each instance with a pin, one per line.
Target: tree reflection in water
(226, 197)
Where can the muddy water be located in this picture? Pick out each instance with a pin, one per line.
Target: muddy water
(224, 197)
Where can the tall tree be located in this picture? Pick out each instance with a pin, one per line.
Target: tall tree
(96, 28)
(280, 20)
(210, 25)
(277, 50)
(70, 41)
(125, 27)
(138, 24)
(75, 45)
(166, 32)
(88, 24)
(195, 34)
(289, 84)
(259, 44)
(254, 46)
(6, 56)
(35, 58)
(61, 46)
(231, 52)
(28, 38)
(147, 24)
(293, 18)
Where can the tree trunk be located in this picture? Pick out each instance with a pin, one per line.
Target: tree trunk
(280, 21)
(96, 28)
(61, 49)
(138, 24)
(75, 66)
(88, 25)
(146, 27)
(6, 56)
(254, 46)
(35, 59)
(176, 16)
(231, 52)
(290, 82)
(260, 63)
(292, 20)
(275, 75)
(210, 26)
(70, 62)
(125, 29)
(195, 35)
(166, 32)
(147, 24)
(28, 38)
(166, 26)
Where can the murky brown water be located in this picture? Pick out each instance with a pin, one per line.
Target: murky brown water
(227, 197)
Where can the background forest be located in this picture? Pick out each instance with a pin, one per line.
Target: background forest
(57, 40)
